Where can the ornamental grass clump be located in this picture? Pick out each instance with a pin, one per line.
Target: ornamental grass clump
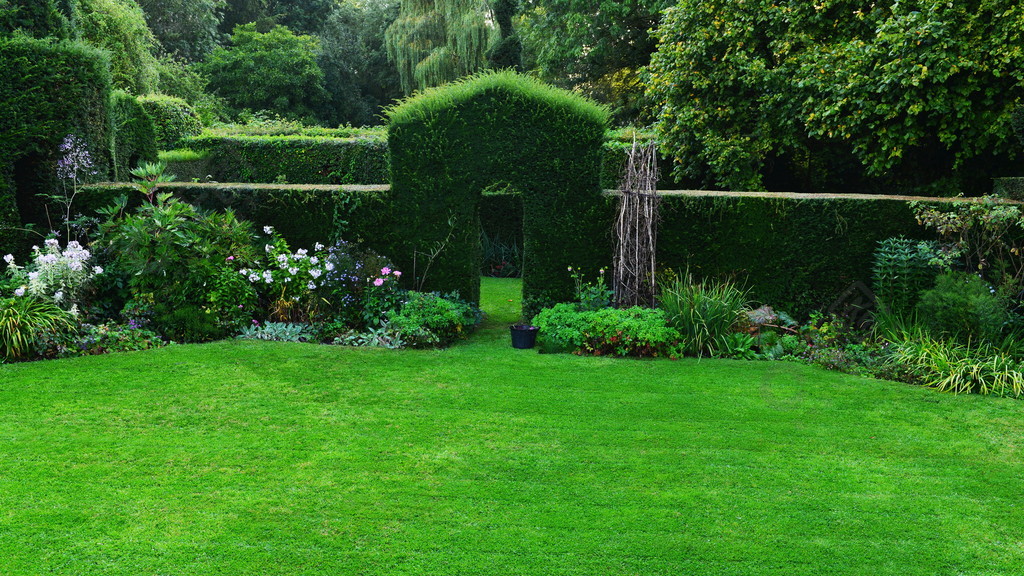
(705, 313)
(24, 320)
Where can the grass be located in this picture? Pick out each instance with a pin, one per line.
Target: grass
(247, 457)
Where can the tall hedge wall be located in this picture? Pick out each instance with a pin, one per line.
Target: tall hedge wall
(795, 253)
(50, 89)
(295, 159)
(134, 135)
(38, 18)
(492, 131)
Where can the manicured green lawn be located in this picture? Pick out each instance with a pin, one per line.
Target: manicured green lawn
(261, 458)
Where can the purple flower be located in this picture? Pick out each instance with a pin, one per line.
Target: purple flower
(76, 158)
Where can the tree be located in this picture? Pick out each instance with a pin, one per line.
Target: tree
(838, 93)
(358, 76)
(119, 27)
(186, 29)
(436, 41)
(275, 71)
(595, 46)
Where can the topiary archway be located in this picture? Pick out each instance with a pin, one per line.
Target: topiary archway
(499, 128)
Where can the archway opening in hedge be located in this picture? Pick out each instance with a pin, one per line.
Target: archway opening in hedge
(449, 144)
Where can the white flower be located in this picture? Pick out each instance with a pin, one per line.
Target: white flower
(315, 273)
(318, 246)
(52, 243)
(293, 270)
(9, 258)
(75, 265)
(267, 248)
(282, 258)
(32, 276)
(314, 260)
(311, 286)
(328, 266)
(20, 291)
(254, 277)
(268, 229)
(47, 259)
(267, 276)
(301, 252)
(58, 296)
(97, 270)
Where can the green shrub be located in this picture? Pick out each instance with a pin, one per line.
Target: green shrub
(134, 135)
(429, 319)
(23, 320)
(173, 118)
(705, 313)
(609, 331)
(450, 143)
(297, 159)
(963, 307)
(50, 89)
(903, 269)
(277, 332)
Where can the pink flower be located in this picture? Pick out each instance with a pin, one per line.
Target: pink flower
(378, 282)
(398, 274)
(230, 258)
(385, 271)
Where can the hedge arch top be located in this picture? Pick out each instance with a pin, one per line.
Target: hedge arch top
(498, 129)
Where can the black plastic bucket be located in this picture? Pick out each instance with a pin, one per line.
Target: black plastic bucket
(523, 337)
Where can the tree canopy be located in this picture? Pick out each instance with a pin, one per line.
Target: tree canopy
(909, 91)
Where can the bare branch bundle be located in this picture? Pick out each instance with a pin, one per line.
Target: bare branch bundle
(636, 229)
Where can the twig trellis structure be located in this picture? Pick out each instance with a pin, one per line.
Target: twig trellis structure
(636, 229)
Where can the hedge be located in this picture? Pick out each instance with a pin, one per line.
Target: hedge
(492, 131)
(304, 215)
(134, 135)
(295, 159)
(173, 118)
(38, 18)
(50, 89)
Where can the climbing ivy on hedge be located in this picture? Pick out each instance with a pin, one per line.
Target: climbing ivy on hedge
(296, 159)
(134, 135)
(173, 118)
(50, 89)
(500, 128)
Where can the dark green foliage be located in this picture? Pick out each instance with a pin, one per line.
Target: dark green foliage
(794, 254)
(302, 216)
(963, 307)
(903, 269)
(491, 132)
(609, 331)
(841, 94)
(430, 319)
(187, 29)
(186, 80)
(294, 159)
(276, 71)
(50, 90)
(1012, 188)
(134, 135)
(38, 18)
(119, 27)
(173, 119)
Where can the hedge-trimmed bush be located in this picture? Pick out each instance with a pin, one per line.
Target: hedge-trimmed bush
(173, 118)
(50, 89)
(134, 135)
(492, 130)
(38, 18)
(795, 253)
(295, 159)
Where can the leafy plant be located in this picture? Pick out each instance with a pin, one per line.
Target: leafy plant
(62, 276)
(957, 367)
(501, 259)
(24, 320)
(702, 312)
(591, 295)
(428, 319)
(632, 331)
(963, 307)
(903, 269)
(277, 332)
(150, 175)
(375, 337)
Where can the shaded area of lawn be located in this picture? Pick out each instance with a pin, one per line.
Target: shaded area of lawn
(261, 458)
